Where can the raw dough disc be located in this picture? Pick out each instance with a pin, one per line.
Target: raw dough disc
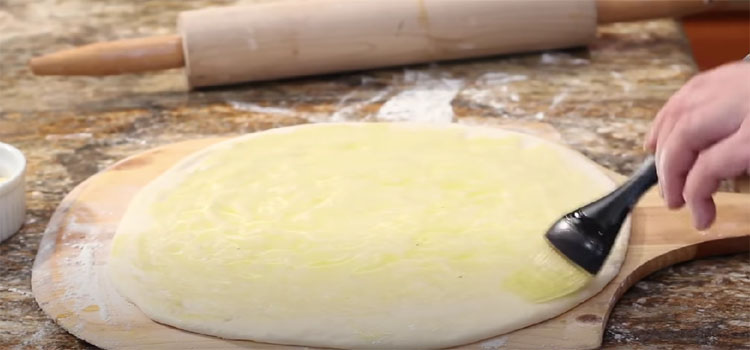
(355, 235)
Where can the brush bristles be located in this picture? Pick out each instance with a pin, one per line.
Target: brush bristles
(548, 276)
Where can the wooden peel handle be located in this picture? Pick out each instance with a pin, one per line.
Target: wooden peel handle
(116, 57)
(729, 234)
(609, 11)
(672, 239)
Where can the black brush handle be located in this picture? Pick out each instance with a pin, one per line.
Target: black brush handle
(611, 210)
(586, 235)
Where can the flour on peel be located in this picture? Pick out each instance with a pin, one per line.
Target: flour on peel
(84, 289)
(494, 343)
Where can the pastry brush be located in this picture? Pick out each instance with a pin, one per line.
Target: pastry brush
(586, 235)
(580, 242)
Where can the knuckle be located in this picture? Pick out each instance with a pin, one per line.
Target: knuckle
(703, 77)
(688, 132)
(691, 125)
(697, 81)
(702, 163)
(675, 157)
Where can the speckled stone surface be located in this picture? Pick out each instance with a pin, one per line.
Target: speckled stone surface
(599, 99)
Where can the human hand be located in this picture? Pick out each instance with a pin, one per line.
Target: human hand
(702, 136)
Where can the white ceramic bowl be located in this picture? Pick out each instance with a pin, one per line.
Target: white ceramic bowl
(12, 194)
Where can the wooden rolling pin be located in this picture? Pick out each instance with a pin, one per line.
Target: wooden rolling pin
(282, 39)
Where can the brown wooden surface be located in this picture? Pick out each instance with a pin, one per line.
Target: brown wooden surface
(70, 284)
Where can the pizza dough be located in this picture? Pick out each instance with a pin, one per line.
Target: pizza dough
(359, 236)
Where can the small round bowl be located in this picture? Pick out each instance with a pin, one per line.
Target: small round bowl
(12, 193)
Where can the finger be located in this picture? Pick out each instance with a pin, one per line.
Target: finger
(726, 159)
(671, 169)
(682, 102)
(679, 106)
(665, 113)
(666, 119)
(693, 134)
(661, 144)
(650, 142)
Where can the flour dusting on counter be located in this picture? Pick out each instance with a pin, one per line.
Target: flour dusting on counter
(559, 98)
(619, 80)
(428, 101)
(252, 107)
(498, 91)
(500, 78)
(38, 337)
(351, 111)
(558, 58)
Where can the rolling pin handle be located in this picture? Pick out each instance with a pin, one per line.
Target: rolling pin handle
(609, 11)
(116, 57)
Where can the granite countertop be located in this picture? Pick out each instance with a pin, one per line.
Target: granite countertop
(600, 100)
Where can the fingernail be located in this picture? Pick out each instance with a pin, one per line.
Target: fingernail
(700, 223)
(661, 192)
(700, 220)
(696, 218)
